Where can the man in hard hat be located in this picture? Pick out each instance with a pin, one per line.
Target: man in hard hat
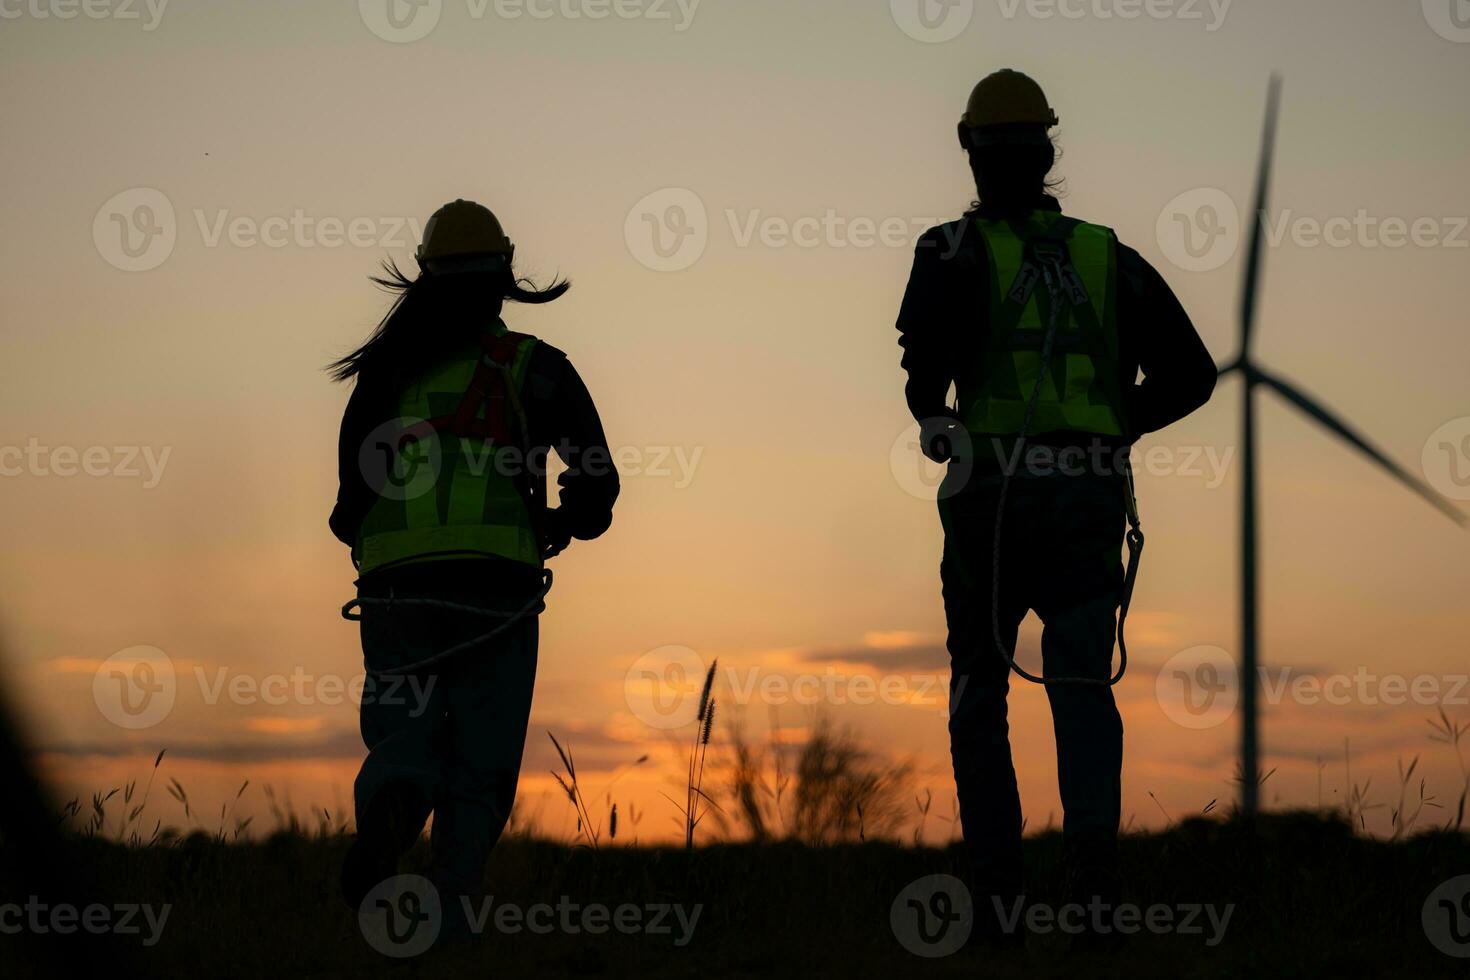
(984, 294)
(442, 467)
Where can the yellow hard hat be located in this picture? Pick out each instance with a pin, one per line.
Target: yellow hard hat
(464, 236)
(1008, 99)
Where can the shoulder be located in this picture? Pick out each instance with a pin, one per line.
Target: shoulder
(948, 230)
(1129, 261)
(545, 354)
(1097, 228)
(548, 371)
(942, 234)
(541, 354)
(1136, 271)
(946, 243)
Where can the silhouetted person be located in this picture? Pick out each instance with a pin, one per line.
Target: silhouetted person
(979, 305)
(443, 487)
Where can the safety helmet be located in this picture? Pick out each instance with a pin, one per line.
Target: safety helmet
(463, 236)
(1006, 107)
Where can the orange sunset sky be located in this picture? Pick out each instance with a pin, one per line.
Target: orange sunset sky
(790, 531)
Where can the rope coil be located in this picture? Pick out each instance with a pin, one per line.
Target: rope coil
(532, 608)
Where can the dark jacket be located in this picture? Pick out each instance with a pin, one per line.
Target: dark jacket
(561, 418)
(942, 328)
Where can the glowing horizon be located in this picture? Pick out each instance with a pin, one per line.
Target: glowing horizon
(770, 517)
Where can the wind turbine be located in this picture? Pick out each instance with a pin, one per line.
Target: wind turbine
(1253, 375)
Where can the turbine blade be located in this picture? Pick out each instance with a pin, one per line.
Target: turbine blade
(1251, 287)
(1335, 425)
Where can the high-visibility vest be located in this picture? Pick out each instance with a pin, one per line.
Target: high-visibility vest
(459, 485)
(1082, 388)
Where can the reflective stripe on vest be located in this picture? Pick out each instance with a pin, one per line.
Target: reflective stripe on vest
(453, 496)
(1081, 391)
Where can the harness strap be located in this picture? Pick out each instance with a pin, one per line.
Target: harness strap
(493, 388)
(1062, 284)
(490, 388)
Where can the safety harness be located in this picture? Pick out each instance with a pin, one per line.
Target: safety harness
(493, 412)
(1048, 262)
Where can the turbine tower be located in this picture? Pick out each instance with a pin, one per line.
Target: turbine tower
(1254, 376)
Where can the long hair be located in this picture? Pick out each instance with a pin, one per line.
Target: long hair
(432, 317)
(1010, 179)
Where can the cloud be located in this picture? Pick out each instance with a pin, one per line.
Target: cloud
(90, 665)
(895, 639)
(304, 739)
(342, 744)
(897, 652)
(73, 665)
(285, 726)
(885, 653)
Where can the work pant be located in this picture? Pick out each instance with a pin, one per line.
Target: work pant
(451, 736)
(1061, 543)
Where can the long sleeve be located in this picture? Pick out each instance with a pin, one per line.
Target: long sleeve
(564, 419)
(1178, 372)
(367, 408)
(928, 319)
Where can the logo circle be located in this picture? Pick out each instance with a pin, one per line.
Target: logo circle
(402, 916)
(401, 459)
(920, 476)
(1198, 688)
(135, 688)
(932, 21)
(135, 230)
(662, 687)
(401, 21)
(668, 230)
(1199, 230)
(933, 916)
(1450, 19)
(1446, 459)
(1446, 917)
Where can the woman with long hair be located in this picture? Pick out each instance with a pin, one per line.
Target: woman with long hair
(442, 499)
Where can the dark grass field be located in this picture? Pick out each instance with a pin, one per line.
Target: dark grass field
(1311, 899)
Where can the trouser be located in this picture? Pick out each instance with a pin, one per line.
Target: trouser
(1061, 544)
(452, 736)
